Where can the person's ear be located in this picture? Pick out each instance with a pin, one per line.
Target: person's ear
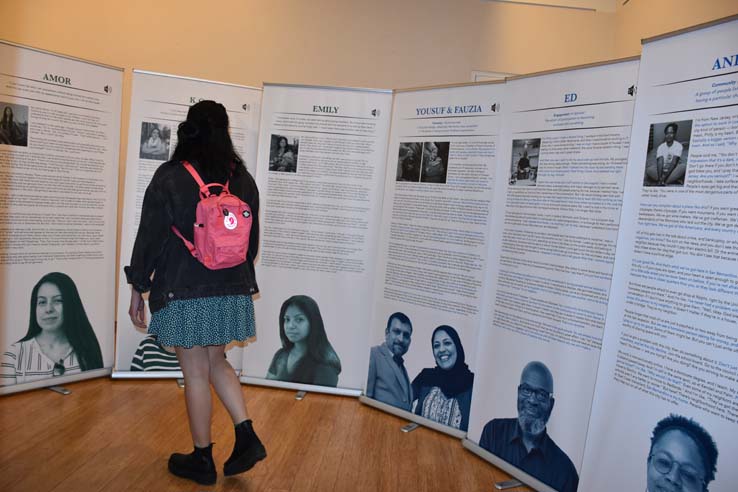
(550, 409)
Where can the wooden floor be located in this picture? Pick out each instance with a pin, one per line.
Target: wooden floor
(116, 435)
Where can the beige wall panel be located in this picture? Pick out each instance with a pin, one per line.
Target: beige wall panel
(527, 38)
(639, 19)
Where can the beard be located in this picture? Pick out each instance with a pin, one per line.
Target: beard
(398, 349)
(532, 425)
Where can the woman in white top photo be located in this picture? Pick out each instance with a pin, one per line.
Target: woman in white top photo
(60, 339)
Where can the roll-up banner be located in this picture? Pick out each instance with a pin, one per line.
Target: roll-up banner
(159, 102)
(59, 139)
(433, 245)
(563, 162)
(320, 173)
(666, 403)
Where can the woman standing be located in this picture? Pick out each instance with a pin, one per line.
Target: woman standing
(196, 310)
(306, 355)
(444, 392)
(60, 339)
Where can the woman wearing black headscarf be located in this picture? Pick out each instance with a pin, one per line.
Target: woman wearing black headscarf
(444, 392)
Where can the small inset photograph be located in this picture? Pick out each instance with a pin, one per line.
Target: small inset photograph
(283, 154)
(14, 124)
(154, 141)
(435, 162)
(524, 162)
(408, 161)
(666, 159)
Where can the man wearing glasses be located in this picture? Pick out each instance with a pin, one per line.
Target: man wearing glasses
(523, 442)
(682, 458)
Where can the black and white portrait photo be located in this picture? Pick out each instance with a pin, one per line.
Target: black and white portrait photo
(666, 159)
(388, 380)
(154, 141)
(523, 441)
(683, 456)
(443, 393)
(59, 340)
(524, 163)
(306, 355)
(283, 153)
(435, 162)
(408, 161)
(14, 124)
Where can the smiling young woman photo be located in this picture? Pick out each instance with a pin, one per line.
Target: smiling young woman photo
(60, 339)
(306, 355)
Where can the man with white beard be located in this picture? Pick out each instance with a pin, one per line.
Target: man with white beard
(523, 442)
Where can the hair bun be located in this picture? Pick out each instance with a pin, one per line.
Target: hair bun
(188, 131)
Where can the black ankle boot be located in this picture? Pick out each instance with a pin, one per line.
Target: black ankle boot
(197, 466)
(247, 451)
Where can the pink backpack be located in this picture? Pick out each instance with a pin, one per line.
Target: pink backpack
(222, 228)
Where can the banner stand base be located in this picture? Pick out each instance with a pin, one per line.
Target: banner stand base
(508, 484)
(404, 414)
(525, 479)
(180, 382)
(409, 427)
(61, 390)
(300, 395)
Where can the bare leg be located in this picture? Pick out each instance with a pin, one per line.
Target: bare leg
(678, 173)
(652, 173)
(226, 384)
(196, 369)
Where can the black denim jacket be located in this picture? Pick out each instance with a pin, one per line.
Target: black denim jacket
(171, 199)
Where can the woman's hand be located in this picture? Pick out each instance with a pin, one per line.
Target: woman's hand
(136, 310)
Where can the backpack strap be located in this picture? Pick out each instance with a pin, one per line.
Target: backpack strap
(204, 188)
(189, 245)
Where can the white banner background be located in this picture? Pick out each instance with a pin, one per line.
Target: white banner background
(60, 187)
(435, 230)
(552, 253)
(161, 101)
(670, 343)
(319, 219)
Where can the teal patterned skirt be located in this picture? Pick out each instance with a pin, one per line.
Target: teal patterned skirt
(204, 321)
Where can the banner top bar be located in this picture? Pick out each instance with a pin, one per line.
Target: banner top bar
(194, 79)
(351, 89)
(575, 67)
(61, 55)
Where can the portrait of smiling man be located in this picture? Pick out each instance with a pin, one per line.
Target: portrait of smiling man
(523, 441)
(388, 381)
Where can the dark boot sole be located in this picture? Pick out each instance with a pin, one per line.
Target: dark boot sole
(201, 478)
(244, 463)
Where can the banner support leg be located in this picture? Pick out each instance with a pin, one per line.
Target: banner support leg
(409, 427)
(60, 389)
(508, 484)
(180, 382)
(300, 395)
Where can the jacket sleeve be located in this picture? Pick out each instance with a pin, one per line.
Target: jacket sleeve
(153, 231)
